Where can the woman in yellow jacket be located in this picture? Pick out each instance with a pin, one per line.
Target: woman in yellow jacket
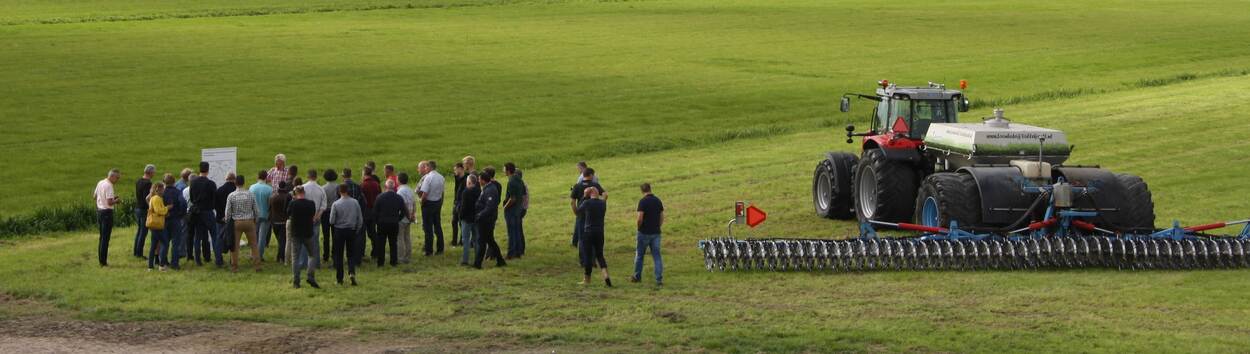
(156, 223)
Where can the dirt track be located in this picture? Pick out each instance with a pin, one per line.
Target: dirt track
(32, 335)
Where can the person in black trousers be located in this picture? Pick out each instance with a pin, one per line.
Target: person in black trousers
(202, 206)
(389, 209)
(459, 176)
(143, 187)
(105, 200)
(487, 213)
(346, 217)
(594, 209)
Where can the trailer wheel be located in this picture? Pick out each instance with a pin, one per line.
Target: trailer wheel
(884, 190)
(948, 196)
(1138, 206)
(831, 186)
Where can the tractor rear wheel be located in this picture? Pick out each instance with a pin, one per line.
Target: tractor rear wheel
(884, 190)
(948, 196)
(831, 186)
(1137, 206)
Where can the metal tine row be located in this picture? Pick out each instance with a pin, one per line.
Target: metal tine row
(991, 254)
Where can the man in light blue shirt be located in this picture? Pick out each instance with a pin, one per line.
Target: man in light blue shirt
(261, 191)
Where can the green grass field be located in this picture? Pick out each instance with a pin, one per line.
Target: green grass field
(710, 101)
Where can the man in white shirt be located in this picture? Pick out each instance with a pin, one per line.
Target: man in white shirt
(405, 225)
(430, 192)
(314, 192)
(105, 199)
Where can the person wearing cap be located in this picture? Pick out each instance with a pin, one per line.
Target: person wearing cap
(302, 215)
(105, 199)
(143, 187)
(278, 203)
(278, 173)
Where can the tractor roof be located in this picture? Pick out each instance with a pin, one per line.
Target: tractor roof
(933, 92)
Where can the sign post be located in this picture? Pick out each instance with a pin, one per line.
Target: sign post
(220, 162)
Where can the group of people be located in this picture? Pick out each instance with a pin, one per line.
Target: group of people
(589, 202)
(192, 218)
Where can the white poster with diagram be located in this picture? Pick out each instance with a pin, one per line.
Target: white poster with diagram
(220, 162)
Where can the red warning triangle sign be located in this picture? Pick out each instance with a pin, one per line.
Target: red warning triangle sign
(755, 216)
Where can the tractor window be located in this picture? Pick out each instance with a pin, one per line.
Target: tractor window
(923, 113)
(899, 109)
(926, 112)
(882, 123)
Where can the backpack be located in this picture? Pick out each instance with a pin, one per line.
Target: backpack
(525, 198)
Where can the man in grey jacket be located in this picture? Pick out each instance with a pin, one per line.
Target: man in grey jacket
(346, 217)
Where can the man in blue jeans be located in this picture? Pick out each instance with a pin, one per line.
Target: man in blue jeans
(516, 201)
(650, 218)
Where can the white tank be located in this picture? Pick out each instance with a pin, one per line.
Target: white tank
(996, 141)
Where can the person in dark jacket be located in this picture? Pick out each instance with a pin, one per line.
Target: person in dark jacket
(143, 186)
(466, 209)
(357, 245)
(224, 227)
(514, 208)
(389, 209)
(577, 195)
(302, 214)
(459, 176)
(594, 210)
(487, 213)
(278, 216)
(371, 187)
(202, 202)
(174, 221)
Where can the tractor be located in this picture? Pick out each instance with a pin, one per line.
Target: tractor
(919, 164)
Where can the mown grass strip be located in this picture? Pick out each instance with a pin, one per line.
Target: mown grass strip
(1060, 94)
(265, 11)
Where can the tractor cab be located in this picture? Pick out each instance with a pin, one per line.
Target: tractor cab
(907, 112)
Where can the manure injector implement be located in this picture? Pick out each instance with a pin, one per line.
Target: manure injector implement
(988, 195)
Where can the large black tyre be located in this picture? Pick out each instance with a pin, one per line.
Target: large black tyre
(831, 186)
(1137, 210)
(954, 196)
(884, 190)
